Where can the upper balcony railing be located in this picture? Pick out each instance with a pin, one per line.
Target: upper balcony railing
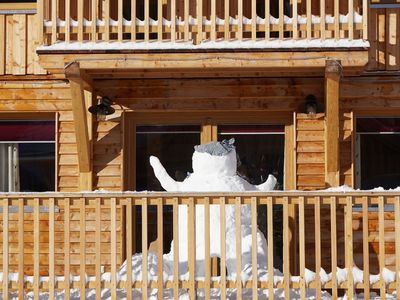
(308, 23)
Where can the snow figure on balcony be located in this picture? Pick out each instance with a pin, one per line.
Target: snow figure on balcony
(214, 170)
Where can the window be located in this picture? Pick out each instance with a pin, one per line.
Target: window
(377, 154)
(27, 155)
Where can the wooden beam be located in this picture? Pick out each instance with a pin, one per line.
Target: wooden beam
(333, 71)
(79, 110)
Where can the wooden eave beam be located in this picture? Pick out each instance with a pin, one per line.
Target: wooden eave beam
(333, 71)
(73, 74)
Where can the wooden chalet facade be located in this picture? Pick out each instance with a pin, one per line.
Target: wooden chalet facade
(203, 78)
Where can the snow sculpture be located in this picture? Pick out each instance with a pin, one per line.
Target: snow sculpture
(214, 170)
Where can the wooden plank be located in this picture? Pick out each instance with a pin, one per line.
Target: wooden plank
(54, 16)
(317, 228)
(295, 20)
(240, 19)
(51, 249)
(286, 247)
(113, 211)
(199, 12)
(351, 20)
(82, 247)
(238, 240)
(332, 158)
(186, 20)
(207, 259)
(323, 19)
(145, 224)
(253, 20)
(226, 20)
(5, 248)
(173, 20)
(223, 247)
(21, 248)
(19, 44)
(129, 243)
(94, 20)
(2, 44)
(40, 17)
(120, 20)
(67, 28)
(281, 19)
(267, 28)
(67, 258)
(175, 233)
(98, 250)
(133, 19)
(381, 256)
(365, 247)
(146, 20)
(160, 20)
(397, 232)
(365, 19)
(336, 21)
(309, 29)
(270, 229)
(349, 245)
(80, 20)
(36, 250)
(106, 19)
(192, 247)
(302, 248)
(333, 247)
(160, 250)
(254, 262)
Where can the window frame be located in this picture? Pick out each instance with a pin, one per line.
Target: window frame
(208, 122)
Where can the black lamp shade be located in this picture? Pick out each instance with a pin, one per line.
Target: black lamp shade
(103, 108)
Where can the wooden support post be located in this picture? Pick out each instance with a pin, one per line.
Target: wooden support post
(332, 77)
(79, 109)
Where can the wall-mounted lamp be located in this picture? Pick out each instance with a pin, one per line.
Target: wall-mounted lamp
(103, 108)
(311, 105)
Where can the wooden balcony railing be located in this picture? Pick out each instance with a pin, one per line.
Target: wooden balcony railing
(203, 21)
(53, 242)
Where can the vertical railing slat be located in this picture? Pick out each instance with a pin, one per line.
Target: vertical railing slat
(129, 250)
(223, 247)
(67, 248)
(213, 33)
(281, 19)
(349, 246)
(82, 248)
(286, 246)
(106, 19)
(381, 259)
(120, 20)
(175, 233)
(270, 220)
(192, 247)
(302, 248)
(21, 247)
(295, 20)
(113, 211)
(94, 20)
(207, 262)
(323, 20)
(40, 16)
(160, 250)
(253, 20)
(199, 11)
(173, 20)
(317, 226)
(309, 23)
(336, 16)
(51, 249)
(365, 246)
(146, 20)
(333, 247)
(226, 18)
(144, 248)
(36, 247)
(365, 19)
(240, 20)
(351, 19)
(186, 18)
(267, 15)
(98, 247)
(67, 20)
(5, 248)
(254, 247)
(238, 240)
(80, 20)
(397, 238)
(160, 20)
(54, 21)
(133, 20)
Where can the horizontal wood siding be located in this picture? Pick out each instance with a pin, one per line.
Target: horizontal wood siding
(18, 43)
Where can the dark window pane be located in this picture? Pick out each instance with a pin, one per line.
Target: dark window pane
(378, 125)
(37, 167)
(173, 145)
(15, 131)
